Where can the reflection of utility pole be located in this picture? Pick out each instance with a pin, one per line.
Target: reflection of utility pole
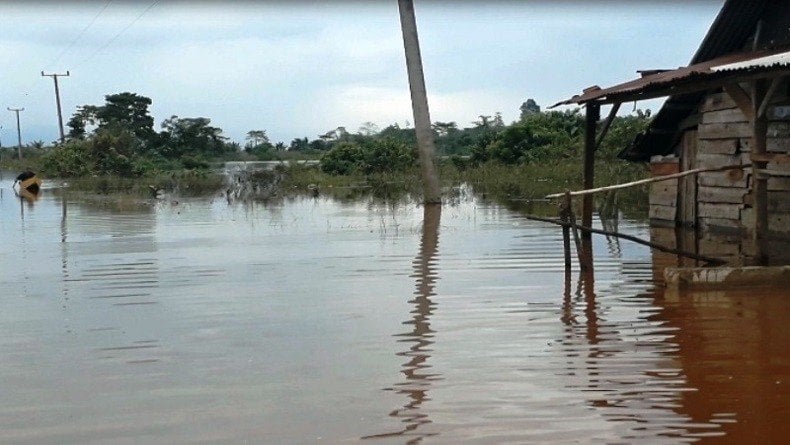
(57, 99)
(18, 130)
(419, 102)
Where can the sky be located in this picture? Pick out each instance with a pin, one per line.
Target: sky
(302, 68)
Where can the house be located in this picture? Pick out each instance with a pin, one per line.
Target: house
(729, 109)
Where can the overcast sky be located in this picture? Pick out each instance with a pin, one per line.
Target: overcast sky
(302, 68)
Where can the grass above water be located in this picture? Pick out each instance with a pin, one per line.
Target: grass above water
(519, 187)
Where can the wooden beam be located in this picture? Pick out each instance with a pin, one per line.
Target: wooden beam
(607, 124)
(765, 174)
(759, 182)
(591, 120)
(779, 158)
(741, 98)
(769, 95)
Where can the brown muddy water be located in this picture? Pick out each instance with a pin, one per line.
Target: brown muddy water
(318, 321)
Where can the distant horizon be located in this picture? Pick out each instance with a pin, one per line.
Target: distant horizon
(298, 71)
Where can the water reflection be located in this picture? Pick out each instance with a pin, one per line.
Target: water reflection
(732, 346)
(416, 370)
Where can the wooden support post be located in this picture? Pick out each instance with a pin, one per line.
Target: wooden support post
(759, 182)
(585, 260)
(566, 237)
(592, 116)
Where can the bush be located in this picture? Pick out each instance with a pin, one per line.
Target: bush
(343, 159)
(376, 156)
(387, 155)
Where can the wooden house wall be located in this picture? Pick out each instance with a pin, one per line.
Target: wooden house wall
(719, 204)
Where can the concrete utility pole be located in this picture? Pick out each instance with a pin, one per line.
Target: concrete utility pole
(18, 130)
(54, 77)
(419, 102)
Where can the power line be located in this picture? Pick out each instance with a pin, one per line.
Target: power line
(82, 33)
(109, 42)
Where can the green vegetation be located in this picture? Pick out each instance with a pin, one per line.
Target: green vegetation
(114, 148)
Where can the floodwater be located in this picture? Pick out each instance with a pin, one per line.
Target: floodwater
(317, 321)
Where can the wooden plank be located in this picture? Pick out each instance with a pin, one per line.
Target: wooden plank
(717, 101)
(778, 183)
(717, 248)
(664, 193)
(778, 130)
(720, 210)
(665, 213)
(725, 131)
(779, 201)
(719, 160)
(729, 195)
(779, 222)
(773, 158)
(732, 178)
(778, 145)
(664, 168)
(724, 116)
(664, 236)
(718, 146)
(720, 225)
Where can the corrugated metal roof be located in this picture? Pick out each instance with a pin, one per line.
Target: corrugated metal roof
(772, 61)
(729, 32)
(752, 61)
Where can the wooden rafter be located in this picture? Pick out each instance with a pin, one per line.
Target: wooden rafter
(741, 98)
(607, 124)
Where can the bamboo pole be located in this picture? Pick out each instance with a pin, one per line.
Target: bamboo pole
(648, 181)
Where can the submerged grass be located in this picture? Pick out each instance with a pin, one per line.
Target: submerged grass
(514, 185)
(520, 187)
(184, 183)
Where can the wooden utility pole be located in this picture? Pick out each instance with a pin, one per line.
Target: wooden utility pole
(419, 102)
(18, 130)
(54, 77)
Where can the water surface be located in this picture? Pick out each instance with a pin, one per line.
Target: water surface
(313, 320)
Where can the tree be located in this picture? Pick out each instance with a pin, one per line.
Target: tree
(84, 116)
(257, 137)
(368, 129)
(192, 136)
(444, 128)
(529, 108)
(127, 111)
(299, 144)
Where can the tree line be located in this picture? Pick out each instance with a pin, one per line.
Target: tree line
(119, 137)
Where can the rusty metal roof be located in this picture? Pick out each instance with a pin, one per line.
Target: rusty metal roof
(656, 80)
(771, 61)
(730, 32)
